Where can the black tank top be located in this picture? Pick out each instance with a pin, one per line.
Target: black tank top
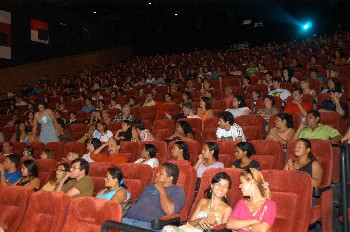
(307, 167)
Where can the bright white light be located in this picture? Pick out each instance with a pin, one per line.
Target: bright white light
(150, 3)
(175, 14)
(307, 25)
(94, 12)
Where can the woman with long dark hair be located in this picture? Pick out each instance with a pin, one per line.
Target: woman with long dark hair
(30, 175)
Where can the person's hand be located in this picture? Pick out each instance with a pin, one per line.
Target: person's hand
(159, 186)
(273, 132)
(201, 158)
(290, 165)
(295, 102)
(134, 134)
(66, 177)
(204, 223)
(335, 99)
(211, 219)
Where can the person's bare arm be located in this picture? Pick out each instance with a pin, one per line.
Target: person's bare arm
(166, 203)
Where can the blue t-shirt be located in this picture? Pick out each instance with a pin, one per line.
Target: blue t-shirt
(88, 109)
(12, 177)
(148, 206)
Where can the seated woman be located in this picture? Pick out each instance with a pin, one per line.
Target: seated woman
(47, 154)
(239, 106)
(28, 152)
(124, 134)
(268, 110)
(148, 154)
(211, 210)
(297, 106)
(256, 212)
(105, 117)
(30, 176)
(113, 104)
(183, 132)
(21, 134)
(205, 111)
(124, 115)
(246, 82)
(283, 132)
(244, 150)
(61, 170)
(333, 85)
(63, 132)
(306, 162)
(206, 86)
(168, 99)
(133, 102)
(306, 87)
(115, 188)
(180, 153)
(208, 159)
(102, 133)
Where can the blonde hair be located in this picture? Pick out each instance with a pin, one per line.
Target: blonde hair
(255, 175)
(74, 155)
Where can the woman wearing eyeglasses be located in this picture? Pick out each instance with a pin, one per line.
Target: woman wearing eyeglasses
(115, 188)
(256, 212)
(61, 170)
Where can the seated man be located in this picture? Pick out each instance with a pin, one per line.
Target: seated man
(8, 170)
(88, 107)
(313, 129)
(79, 183)
(113, 155)
(140, 133)
(278, 91)
(6, 149)
(158, 199)
(149, 100)
(335, 104)
(91, 145)
(228, 129)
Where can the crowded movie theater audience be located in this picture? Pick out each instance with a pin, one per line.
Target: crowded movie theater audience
(227, 102)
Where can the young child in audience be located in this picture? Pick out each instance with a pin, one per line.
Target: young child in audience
(193, 113)
(243, 152)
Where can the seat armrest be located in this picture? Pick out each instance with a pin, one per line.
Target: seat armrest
(173, 219)
(317, 192)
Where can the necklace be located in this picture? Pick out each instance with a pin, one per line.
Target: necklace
(256, 205)
(215, 208)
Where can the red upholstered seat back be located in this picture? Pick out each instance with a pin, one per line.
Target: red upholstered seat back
(46, 169)
(269, 154)
(14, 201)
(98, 171)
(47, 211)
(136, 177)
(87, 214)
(79, 147)
(161, 129)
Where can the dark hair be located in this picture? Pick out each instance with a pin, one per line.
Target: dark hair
(308, 145)
(95, 142)
(84, 165)
(315, 113)
(227, 116)
(49, 153)
(184, 147)
(60, 122)
(127, 122)
(170, 95)
(257, 92)
(186, 127)
(29, 149)
(213, 147)
(133, 98)
(172, 170)
(66, 167)
(298, 90)
(138, 124)
(288, 118)
(151, 149)
(103, 124)
(32, 168)
(73, 112)
(59, 112)
(117, 173)
(241, 99)
(248, 147)
(187, 105)
(270, 73)
(272, 99)
(277, 79)
(207, 102)
(337, 84)
(39, 102)
(14, 159)
(216, 179)
(188, 94)
(248, 79)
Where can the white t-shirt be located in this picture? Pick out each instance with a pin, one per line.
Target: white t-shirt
(88, 158)
(102, 138)
(234, 132)
(281, 93)
(238, 112)
(153, 162)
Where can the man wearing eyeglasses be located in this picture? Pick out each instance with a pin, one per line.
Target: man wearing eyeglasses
(79, 183)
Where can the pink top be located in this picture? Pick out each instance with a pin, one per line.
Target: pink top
(266, 213)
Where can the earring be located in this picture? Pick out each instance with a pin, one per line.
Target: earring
(211, 190)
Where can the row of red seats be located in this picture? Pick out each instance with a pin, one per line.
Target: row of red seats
(25, 210)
